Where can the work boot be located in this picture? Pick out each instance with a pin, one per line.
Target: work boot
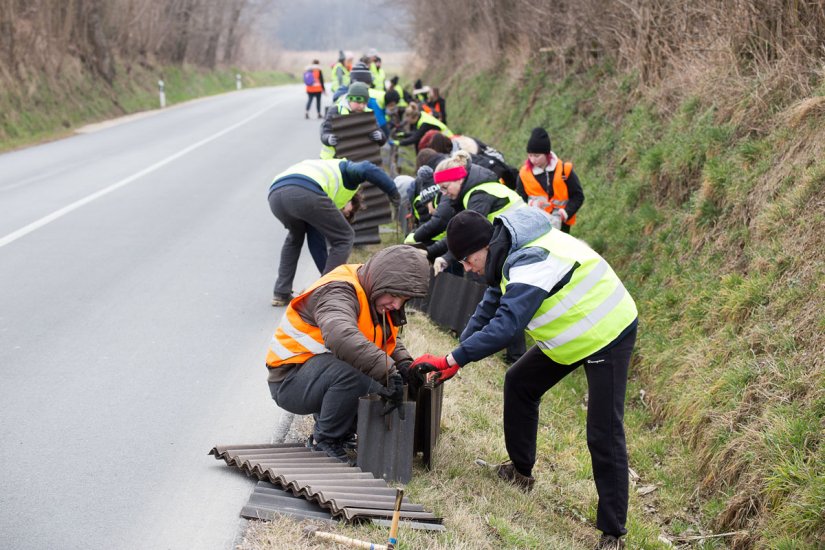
(609, 542)
(279, 300)
(350, 442)
(332, 448)
(508, 473)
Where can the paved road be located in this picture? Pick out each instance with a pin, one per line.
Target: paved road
(136, 267)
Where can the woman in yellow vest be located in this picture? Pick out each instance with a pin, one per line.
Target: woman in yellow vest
(570, 301)
(338, 341)
(468, 186)
(547, 183)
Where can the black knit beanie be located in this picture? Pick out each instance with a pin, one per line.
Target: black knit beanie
(468, 232)
(539, 142)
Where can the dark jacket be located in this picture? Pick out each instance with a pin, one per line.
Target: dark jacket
(334, 308)
(480, 202)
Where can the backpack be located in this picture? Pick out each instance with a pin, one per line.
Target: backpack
(309, 77)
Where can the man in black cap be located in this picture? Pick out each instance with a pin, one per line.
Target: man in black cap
(548, 183)
(569, 300)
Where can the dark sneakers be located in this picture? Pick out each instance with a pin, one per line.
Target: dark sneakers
(508, 473)
(332, 449)
(609, 542)
(279, 300)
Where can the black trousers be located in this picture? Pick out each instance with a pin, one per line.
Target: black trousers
(529, 379)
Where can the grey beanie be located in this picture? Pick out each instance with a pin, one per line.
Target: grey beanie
(361, 73)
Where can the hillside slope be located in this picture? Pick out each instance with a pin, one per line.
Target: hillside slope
(715, 218)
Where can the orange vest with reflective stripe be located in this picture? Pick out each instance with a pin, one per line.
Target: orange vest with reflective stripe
(295, 340)
(316, 86)
(533, 188)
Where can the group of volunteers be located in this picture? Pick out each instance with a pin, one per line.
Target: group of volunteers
(476, 216)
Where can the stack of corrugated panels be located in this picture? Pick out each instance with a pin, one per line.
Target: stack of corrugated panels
(346, 491)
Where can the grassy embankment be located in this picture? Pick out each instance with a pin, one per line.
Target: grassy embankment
(716, 228)
(43, 107)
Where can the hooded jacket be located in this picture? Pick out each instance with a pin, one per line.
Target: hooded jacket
(500, 316)
(334, 309)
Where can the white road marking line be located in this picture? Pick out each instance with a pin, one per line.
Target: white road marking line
(57, 214)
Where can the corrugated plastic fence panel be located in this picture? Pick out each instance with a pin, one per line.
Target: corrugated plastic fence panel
(453, 300)
(428, 422)
(385, 443)
(354, 144)
(347, 492)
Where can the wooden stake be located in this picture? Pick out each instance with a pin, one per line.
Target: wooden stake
(355, 543)
(399, 496)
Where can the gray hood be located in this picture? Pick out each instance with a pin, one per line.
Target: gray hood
(525, 224)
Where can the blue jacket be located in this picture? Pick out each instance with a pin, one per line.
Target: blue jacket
(354, 174)
(499, 317)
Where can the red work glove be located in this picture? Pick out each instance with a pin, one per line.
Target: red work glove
(443, 371)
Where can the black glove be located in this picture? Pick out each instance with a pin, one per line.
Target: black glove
(377, 135)
(393, 395)
(414, 376)
(332, 139)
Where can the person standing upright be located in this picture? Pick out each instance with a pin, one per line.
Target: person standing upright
(547, 183)
(314, 83)
(340, 75)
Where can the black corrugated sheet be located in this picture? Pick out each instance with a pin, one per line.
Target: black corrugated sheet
(451, 300)
(345, 491)
(354, 144)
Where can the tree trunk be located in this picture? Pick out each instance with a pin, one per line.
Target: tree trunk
(231, 38)
(103, 62)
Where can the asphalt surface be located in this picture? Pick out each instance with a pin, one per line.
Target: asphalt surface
(136, 268)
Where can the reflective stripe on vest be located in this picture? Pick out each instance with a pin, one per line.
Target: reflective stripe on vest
(327, 174)
(588, 312)
(534, 190)
(295, 340)
(497, 190)
(431, 120)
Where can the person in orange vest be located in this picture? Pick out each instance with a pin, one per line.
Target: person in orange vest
(314, 83)
(548, 183)
(437, 105)
(338, 341)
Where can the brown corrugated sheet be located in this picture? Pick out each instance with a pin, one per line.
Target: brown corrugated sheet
(346, 491)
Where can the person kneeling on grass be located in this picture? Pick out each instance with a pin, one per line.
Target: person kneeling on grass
(570, 301)
(337, 341)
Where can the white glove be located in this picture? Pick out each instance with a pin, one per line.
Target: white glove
(563, 213)
(377, 135)
(332, 139)
(439, 265)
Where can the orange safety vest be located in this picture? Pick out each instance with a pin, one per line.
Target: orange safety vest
(316, 86)
(533, 188)
(295, 340)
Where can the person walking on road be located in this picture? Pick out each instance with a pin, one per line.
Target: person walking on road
(314, 82)
(578, 312)
(309, 196)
